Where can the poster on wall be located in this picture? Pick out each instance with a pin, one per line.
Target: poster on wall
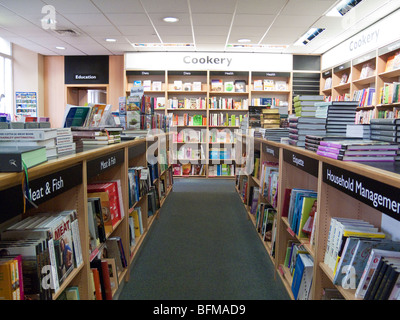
(25, 104)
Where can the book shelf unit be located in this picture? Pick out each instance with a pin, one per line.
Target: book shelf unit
(370, 85)
(76, 172)
(300, 168)
(279, 91)
(218, 117)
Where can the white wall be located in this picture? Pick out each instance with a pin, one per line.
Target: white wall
(28, 73)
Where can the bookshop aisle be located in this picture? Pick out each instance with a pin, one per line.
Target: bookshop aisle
(203, 247)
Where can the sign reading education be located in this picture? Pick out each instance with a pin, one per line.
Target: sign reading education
(375, 194)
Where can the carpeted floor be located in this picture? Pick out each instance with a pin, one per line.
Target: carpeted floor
(203, 247)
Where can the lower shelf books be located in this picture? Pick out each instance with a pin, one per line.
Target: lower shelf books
(265, 217)
(302, 277)
(50, 248)
(135, 225)
(368, 282)
(227, 170)
(302, 205)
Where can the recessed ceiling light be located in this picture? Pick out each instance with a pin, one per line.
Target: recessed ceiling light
(111, 40)
(171, 19)
(60, 48)
(244, 40)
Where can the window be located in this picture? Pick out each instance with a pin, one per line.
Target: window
(6, 80)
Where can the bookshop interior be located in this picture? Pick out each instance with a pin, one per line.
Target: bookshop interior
(200, 150)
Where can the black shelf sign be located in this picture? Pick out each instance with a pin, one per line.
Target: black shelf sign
(272, 151)
(41, 189)
(378, 195)
(103, 163)
(302, 162)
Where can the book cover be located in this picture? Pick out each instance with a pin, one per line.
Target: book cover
(17, 158)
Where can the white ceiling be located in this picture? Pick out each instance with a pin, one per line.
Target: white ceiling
(209, 24)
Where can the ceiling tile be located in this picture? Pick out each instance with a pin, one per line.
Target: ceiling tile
(215, 19)
(72, 6)
(129, 19)
(213, 6)
(121, 6)
(88, 19)
(169, 7)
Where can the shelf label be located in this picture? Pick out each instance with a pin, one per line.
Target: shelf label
(40, 190)
(273, 151)
(101, 164)
(375, 194)
(302, 162)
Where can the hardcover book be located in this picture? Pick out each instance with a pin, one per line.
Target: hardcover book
(16, 159)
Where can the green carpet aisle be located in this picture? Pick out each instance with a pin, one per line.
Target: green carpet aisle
(203, 247)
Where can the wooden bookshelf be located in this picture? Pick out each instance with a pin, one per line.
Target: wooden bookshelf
(77, 171)
(333, 201)
(168, 91)
(376, 79)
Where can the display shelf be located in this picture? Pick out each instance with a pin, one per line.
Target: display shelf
(77, 171)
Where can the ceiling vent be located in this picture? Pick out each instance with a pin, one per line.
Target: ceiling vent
(67, 32)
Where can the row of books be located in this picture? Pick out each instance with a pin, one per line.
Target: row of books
(269, 176)
(139, 182)
(188, 120)
(270, 85)
(390, 93)
(299, 264)
(301, 210)
(189, 169)
(221, 170)
(355, 249)
(365, 97)
(179, 85)
(148, 85)
(221, 153)
(273, 102)
(188, 152)
(218, 85)
(266, 216)
(90, 115)
(221, 119)
(187, 103)
(37, 255)
(222, 136)
(228, 103)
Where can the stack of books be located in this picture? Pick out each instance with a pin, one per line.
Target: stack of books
(340, 114)
(322, 109)
(359, 150)
(64, 142)
(304, 105)
(358, 131)
(87, 138)
(299, 127)
(270, 118)
(36, 137)
(385, 130)
(274, 134)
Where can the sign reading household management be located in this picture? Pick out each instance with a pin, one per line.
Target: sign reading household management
(375, 194)
(302, 162)
(208, 61)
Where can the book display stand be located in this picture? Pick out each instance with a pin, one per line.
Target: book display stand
(344, 190)
(64, 183)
